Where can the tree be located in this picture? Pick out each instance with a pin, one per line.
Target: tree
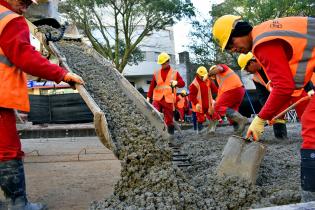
(122, 24)
(254, 11)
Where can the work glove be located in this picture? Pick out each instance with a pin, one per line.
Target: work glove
(198, 107)
(310, 93)
(173, 83)
(256, 128)
(148, 99)
(280, 121)
(73, 78)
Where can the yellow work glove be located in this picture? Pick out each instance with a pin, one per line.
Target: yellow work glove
(256, 128)
(280, 121)
(173, 83)
(198, 107)
(72, 78)
(148, 99)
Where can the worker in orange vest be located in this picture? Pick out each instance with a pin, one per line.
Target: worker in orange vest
(284, 48)
(182, 105)
(163, 90)
(230, 96)
(200, 95)
(18, 57)
(262, 83)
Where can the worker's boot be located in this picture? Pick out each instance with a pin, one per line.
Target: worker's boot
(171, 131)
(200, 128)
(12, 181)
(280, 130)
(212, 126)
(308, 175)
(239, 119)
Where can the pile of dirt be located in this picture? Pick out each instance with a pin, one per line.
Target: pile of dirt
(148, 178)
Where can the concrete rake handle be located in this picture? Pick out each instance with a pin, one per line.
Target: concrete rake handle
(271, 122)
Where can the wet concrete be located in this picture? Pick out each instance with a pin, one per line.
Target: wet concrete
(148, 178)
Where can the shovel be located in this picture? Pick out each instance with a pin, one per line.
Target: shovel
(241, 157)
(271, 122)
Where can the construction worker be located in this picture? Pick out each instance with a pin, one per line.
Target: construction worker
(163, 90)
(182, 105)
(284, 47)
(248, 63)
(230, 96)
(18, 57)
(200, 95)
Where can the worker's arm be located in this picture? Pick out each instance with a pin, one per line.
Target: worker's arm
(151, 88)
(274, 56)
(180, 81)
(193, 91)
(15, 43)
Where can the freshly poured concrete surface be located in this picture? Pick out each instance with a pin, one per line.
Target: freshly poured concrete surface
(57, 178)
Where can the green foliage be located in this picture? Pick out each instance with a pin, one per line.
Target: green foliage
(123, 24)
(254, 11)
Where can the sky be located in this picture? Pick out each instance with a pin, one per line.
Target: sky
(181, 29)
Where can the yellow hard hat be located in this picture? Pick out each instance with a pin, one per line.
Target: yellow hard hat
(243, 59)
(202, 71)
(162, 58)
(222, 29)
(184, 92)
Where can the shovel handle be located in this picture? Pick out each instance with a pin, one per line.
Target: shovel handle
(271, 122)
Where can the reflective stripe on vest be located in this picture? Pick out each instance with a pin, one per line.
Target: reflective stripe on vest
(13, 82)
(300, 67)
(4, 14)
(163, 88)
(199, 98)
(233, 81)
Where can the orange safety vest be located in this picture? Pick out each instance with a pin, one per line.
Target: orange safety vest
(13, 82)
(163, 88)
(313, 79)
(227, 80)
(257, 78)
(299, 32)
(181, 103)
(199, 98)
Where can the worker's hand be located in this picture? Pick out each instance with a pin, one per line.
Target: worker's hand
(256, 128)
(173, 83)
(148, 99)
(310, 93)
(198, 107)
(73, 78)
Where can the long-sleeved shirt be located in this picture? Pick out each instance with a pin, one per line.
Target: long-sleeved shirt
(193, 91)
(180, 81)
(15, 43)
(274, 56)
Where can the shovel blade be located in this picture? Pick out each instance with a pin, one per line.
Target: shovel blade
(241, 159)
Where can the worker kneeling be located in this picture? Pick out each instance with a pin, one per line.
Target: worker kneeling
(202, 102)
(230, 96)
(262, 83)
